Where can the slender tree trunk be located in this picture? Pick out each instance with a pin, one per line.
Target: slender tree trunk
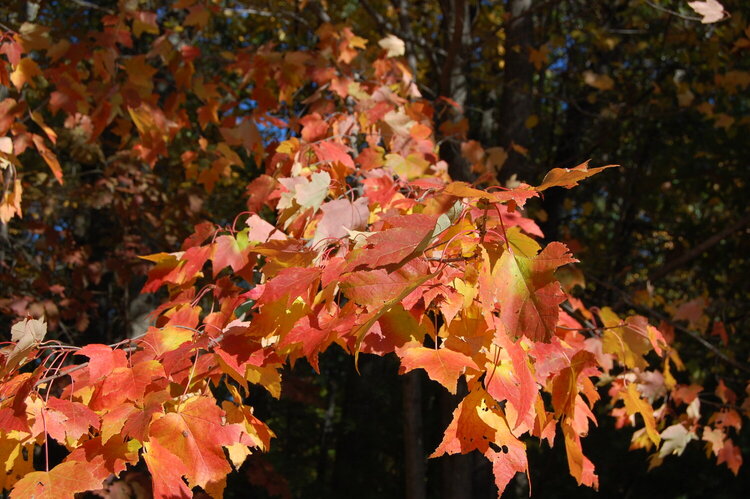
(516, 100)
(453, 81)
(456, 470)
(414, 455)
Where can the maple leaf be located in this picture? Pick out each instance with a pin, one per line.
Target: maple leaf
(110, 458)
(314, 127)
(131, 383)
(581, 468)
(569, 177)
(26, 336)
(635, 404)
(339, 217)
(528, 293)
(313, 339)
(406, 236)
(166, 471)
(292, 283)
(61, 482)
(379, 287)
(441, 364)
(393, 45)
(518, 195)
(714, 438)
(49, 157)
(392, 330)
(512, 381)
(230, 251)
(710, 10)
(15, 417)
(25, 72)
(331, 151)
(64, 419)
(102, 359)
(133, 420)
(312, 194)
(674, 440)
(261, 231)
(167, 339)
(196, 435)
(628, 340)
(17, 453)
(731, 455)
(479, 424)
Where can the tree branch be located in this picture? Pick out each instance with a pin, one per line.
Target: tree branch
(658, 315)
(698, 250)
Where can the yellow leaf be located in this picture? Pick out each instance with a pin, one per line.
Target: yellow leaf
(635, 404)
(532, 121)
(25, 72)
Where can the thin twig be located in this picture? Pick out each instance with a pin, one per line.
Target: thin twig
(657, 315)
(89, 5)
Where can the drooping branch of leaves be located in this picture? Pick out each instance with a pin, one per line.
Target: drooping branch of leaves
(354, 236)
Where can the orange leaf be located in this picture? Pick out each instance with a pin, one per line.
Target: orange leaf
(441, 364)
(63, 481)
(569, 177)
(167, 471)
(196, 434)
(479, 424)
(25, 72)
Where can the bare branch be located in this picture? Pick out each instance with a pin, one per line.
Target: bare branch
(659, 316)
(699, 249)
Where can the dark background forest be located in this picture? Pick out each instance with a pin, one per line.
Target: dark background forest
(540, 84)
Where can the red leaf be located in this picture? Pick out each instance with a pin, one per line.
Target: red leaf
(332, 151)
(102, 359)
(378, 287)
(515, 382)
(731, 455)
(528, 293)
(230, 252)
(292, 283)
(313, 127)
(408, 235)
(130, 383)
(77, 419)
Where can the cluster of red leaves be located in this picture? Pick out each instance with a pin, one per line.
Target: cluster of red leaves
(372, 248)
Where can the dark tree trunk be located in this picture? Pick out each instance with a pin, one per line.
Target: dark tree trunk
(414, 455)
(453, 81)
(516, 100)
(456, 470)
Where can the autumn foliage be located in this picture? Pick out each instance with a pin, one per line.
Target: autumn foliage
(354, 237)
